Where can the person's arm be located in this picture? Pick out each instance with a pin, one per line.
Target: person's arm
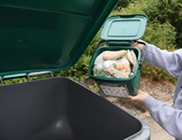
(168, 61)
(167, 117)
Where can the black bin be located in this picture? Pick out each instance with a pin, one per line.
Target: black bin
(60, 109)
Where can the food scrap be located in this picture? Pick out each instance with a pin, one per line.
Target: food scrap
(115, 64)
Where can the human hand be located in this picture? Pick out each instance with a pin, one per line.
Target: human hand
(140, 97)
(139, 44)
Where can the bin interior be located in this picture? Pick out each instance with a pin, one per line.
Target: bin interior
(60, 109)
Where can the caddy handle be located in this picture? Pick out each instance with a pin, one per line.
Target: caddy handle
(100, 42)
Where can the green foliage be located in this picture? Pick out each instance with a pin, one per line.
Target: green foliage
(162, 35)
(13, 81)
(166, 11)
(132, 8)
(122, 4)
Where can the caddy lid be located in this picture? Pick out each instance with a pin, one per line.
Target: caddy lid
(47, 35)
(124, 27)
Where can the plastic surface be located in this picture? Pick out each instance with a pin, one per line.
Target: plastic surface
(60, 109)
(47, 34)
(124, 27)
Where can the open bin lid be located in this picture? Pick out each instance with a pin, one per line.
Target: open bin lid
(47, 35)
(124, 27)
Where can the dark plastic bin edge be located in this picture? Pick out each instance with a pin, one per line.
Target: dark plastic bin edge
(144, 134)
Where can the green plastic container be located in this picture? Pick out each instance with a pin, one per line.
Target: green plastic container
(39, 37)
(47, 35)
(118, 32)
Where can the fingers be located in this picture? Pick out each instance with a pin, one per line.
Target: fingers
(139, 44)
(133, 98)
(140, 97)
(140, 40)
(134, 44)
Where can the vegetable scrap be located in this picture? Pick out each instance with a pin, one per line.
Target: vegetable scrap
(115, 64)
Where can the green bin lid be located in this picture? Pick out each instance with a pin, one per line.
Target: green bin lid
(124, 27)
(42, 35)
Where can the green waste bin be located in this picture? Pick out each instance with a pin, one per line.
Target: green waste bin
(119, 32)
(38, 38)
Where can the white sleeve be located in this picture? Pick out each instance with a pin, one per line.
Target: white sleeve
(168, 61)
(167, 117)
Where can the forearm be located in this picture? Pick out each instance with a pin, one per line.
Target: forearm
(168, 61)
(167, 117)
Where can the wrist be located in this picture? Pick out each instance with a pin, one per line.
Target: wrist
(145, 97)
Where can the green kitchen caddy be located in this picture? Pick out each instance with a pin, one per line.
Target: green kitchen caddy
(119, 32)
